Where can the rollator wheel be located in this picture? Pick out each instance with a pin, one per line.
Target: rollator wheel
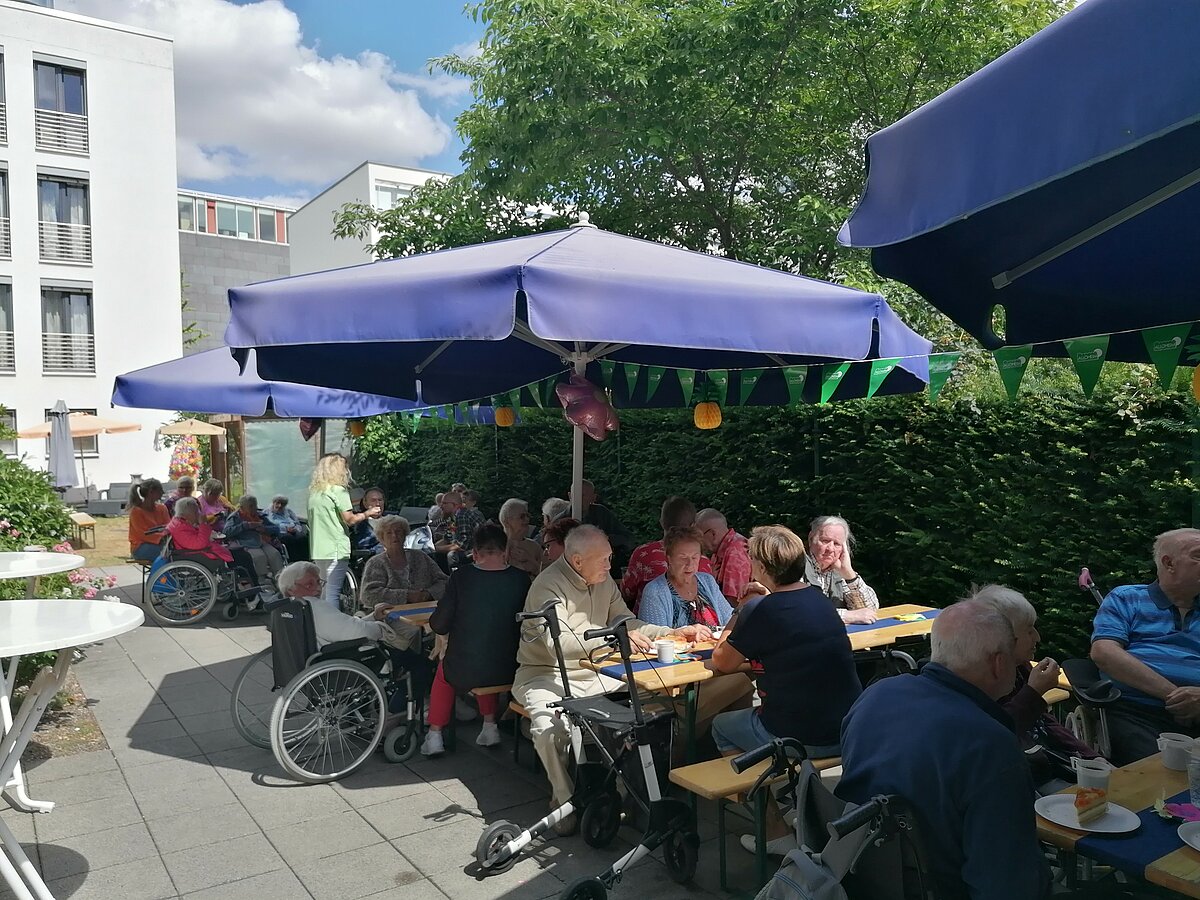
(230, 611)
(491, 842)
(400, 744)
(679, 854)
(601, 820)
(587, 888)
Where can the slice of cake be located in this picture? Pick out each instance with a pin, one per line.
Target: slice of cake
(1090, 804)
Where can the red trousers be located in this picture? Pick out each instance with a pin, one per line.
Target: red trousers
(441, 701)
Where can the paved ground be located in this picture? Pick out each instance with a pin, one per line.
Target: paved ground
(182, 807)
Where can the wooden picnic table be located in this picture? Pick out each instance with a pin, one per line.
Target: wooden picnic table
(1136, 787)
(417, 613)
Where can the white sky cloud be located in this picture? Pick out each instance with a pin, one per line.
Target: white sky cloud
(255, 100)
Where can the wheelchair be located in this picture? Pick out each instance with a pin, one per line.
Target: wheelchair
(1089, 721)
(182, 587)
(322, 712)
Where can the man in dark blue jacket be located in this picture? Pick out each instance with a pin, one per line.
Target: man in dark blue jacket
(940, 741)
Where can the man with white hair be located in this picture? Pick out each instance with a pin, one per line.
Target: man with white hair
(730, 558)
(588, 598)
(940, 741)
(1146, 638)
(302, 581)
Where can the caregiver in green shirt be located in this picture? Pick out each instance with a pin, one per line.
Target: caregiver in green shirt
(330, 513)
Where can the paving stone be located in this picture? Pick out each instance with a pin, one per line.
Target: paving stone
(187, 829)
(303, 842)
(68, 792)
(524, 881)
(217, 720)
(379, 781)
(446, 847)
(85, 818)
(21, 824)
(143, 879)
(415, 814)
(61, 767)
(278, 885)
(99, 850)
(280, 805)
(418, 890)
(208, 865)
(217, 741)
(147, 753)
(202, 790)
(357, 873)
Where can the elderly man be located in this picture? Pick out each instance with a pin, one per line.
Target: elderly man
(362, 535)
(302, 581)
(829, 568)
(730, 558)
(940, 741)
(447, 542)
(589, 598)
(1146, 638)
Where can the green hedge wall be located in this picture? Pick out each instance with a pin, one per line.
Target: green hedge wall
(940, 495)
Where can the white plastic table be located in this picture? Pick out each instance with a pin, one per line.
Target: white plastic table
(35, 626)
(31, 566)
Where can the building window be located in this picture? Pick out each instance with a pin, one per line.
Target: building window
(388, 194)
(201, 215)
(8, 346)
(3, 106)
(187, 213)
(266, 225)
(8, 422)
(68, 337)
(5, 225)
(226, 219)
(60, 108)
(64, 215)
(85, 446)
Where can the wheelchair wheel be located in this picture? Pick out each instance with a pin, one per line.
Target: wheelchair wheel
(587, 888)
(181, 592)
(679, 854)
(491, 842)
(348, 596)
(328, 720)
(401, 743)
(230, 611)
(252, 700)
(601, 820)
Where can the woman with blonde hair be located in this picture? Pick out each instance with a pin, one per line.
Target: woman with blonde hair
(330, 513)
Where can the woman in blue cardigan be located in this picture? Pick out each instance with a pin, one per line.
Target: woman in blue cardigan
(683, 595)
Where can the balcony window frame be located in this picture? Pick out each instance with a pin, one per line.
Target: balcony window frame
(7, 313)
(60, 92)
(67, 290)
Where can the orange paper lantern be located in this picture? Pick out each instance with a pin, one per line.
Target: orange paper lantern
(358, 427)
(707, 415)
(506, 416)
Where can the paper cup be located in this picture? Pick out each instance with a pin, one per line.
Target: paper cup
(1092, 773)
(665, 651)
(1175, 750)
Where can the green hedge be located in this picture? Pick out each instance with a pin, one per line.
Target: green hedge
(940, 495)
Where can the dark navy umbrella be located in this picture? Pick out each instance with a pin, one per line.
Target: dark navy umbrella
(1060, 182)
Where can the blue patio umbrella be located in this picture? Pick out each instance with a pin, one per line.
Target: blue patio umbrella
(1060, 182)
(61, 464)
(480, 320)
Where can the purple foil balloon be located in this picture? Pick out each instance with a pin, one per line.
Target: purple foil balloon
(586, 407)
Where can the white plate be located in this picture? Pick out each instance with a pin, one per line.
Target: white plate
(1189, 833)
(1060, 809)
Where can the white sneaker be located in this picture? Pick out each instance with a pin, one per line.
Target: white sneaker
(781, 846)
(464, 711)
(489, 735)
(432, 745)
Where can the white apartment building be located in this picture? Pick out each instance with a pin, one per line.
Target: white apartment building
(89, 248)
(314, 247)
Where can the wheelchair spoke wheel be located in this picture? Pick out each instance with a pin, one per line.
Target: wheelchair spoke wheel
(679, 854)
(253, 698)
(348, 595)
(328, 720)
(180, 593)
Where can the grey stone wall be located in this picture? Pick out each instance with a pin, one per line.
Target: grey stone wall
(211, 265)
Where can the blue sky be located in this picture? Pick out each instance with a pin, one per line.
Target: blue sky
(277, 99)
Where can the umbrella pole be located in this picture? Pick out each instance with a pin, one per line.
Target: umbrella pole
(580, 362)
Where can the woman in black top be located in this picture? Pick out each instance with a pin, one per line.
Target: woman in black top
(478, 616)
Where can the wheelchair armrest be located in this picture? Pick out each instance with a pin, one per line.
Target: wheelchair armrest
(342, 647)
(1089, 683)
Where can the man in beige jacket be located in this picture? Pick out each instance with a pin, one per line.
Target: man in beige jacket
(589, 598)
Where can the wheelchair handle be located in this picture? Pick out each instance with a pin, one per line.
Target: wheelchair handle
(752, 757)
(859, 816)
(779, 748)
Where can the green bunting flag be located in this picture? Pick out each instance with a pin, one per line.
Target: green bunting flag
(654, 377)
(1012, 362)
(1088, 355)
(717, 385)
(447, 414)
(551, 394)
(880, 370)
(514, 400)
(687, 383)
(940, 367)
(747, 379)
(631, 375)
(831, 377)
(606, 371)
(535, 391)
(1163, 344)
(795, 376)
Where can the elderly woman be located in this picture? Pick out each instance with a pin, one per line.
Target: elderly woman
(185, 487)
(254, 533)
(521, 552)
(292, 532)
(554, 508)
(648, 561)
(1031, 716)
(214, 506)
(478, 618)
(554, 538)
(148, 518)
(397, 575)
(684, 595)
(828, 566)
(802, 659)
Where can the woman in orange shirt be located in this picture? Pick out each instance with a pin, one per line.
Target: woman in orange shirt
(146, 513)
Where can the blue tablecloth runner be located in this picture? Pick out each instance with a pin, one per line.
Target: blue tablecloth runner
(618, 671)
(393, 616)
(888, 623)
(1134, 850)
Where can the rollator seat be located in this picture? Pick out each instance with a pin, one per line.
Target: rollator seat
(603, 711)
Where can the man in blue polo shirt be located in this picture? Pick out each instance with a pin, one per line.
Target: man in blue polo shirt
(1146, 638)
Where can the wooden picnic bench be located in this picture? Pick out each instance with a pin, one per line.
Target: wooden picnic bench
(83, 525)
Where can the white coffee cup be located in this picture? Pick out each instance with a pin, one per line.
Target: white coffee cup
(1092, 773)
(1175, 750)
(665, 650)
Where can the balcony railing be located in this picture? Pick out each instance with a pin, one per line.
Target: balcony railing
(5, 239)
(63, 242)
(3, 123)
(8, 352)
(63, 353)
(60, 132)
